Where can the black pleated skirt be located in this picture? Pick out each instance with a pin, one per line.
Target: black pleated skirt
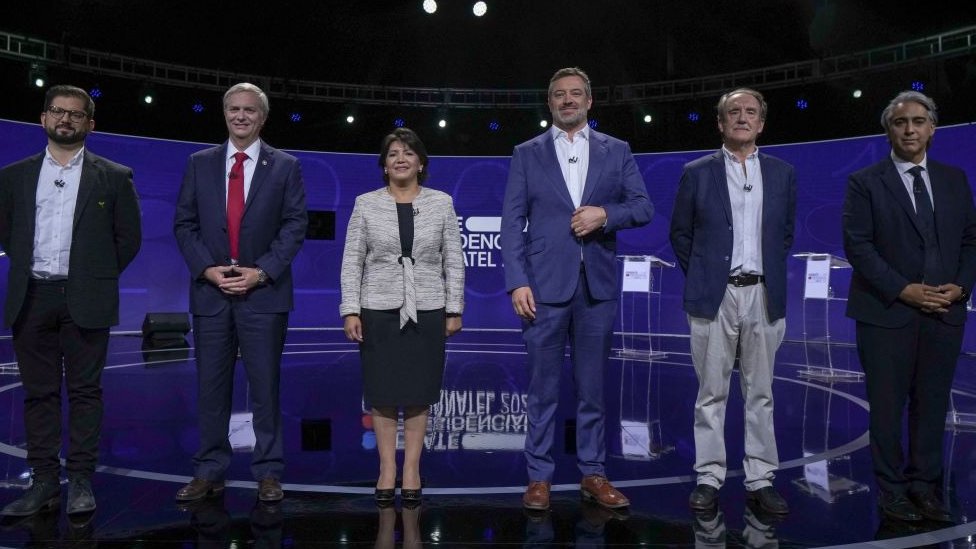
(402, 367)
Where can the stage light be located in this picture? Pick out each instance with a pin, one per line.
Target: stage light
(693, 116)
(38, 75)
(442, 123)
(350, 119)
(802, 104)
(147, 98)
(494, 126)
(295, 117)
(918, 85)
(95, 93)
(647, 119)
(430, 6)
(479, 9)
(198, 107)
(543, 123)
(592, 123)
(856, 94)
(399, 122)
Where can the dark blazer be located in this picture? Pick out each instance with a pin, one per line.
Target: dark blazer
(546, 257)
(272, 229)
(106, 236)
(884, 245)
(701, 232)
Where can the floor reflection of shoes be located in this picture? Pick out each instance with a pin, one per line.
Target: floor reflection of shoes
(80, 521)
(709, 527)
(536, 516)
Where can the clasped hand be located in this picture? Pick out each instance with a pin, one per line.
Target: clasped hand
(232, 279)
(931, 299)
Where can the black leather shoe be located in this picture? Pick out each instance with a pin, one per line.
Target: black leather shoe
(81, 499)
(768, 500)
(411, 498)
(899, 507)
(703, 497)
(199, 488)
(41, 495)
(931, 507)
(385, 496)
(269, 490)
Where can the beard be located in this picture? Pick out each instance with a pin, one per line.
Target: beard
(570, 120)
(73, 138)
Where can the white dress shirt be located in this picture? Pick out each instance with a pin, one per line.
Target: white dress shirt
(574, 160)
(909, 180)
(252, 152)
(746, 195)
(57, 194)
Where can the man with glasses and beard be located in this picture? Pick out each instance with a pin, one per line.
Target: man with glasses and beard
(70, 224)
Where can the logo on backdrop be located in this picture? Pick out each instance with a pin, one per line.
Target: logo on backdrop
(481, 240)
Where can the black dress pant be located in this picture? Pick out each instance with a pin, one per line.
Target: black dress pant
(49, 345)
(909, 367)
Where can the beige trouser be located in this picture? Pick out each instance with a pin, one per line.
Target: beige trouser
(741, 317)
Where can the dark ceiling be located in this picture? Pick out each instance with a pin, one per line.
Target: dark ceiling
(517, 44)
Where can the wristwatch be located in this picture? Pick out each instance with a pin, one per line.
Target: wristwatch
(262, 277)
(963, 293)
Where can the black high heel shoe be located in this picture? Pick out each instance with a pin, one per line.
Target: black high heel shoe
(411, 497)
(385, 496)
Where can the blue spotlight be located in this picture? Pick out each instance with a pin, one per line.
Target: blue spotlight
(399, 122)
(296, 117)
(197, 107)
(95, 93)
(918, 85)
(593, 123)
(494, 126)
(802, 104)
(693, 116)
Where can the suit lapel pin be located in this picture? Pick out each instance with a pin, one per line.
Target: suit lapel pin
(101, 203)
(264, 162)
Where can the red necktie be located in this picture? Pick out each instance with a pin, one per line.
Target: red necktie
(235, 203)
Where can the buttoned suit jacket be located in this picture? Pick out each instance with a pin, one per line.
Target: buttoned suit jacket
(702, 234)
(106, 236)
(546, 256)
(272, 227)
(884, 245)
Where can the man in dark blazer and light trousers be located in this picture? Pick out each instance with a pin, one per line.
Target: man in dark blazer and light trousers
(240, 299)
(574, 188)
(70, 224)
(731, 230)
(910, 235)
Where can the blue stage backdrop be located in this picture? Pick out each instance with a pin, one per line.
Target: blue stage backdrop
(157, 281)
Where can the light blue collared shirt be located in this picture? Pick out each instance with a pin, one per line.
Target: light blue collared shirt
(909, 180)
(746, 195)
(574, 160)
(252, 152)
(57, 195)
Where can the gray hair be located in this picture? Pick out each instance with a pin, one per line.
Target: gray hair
(763, 108)
(248, 87)
(905, 96)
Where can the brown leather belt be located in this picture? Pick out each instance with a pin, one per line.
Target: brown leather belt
(741, 280)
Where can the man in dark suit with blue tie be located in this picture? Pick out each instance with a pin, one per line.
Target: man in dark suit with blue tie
(240, 221)
(731, 230)
(910, 235)
(70, 224)
(569, 191)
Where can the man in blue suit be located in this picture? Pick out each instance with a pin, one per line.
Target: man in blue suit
(240, 221)
(731, 230)
(569, 191)
(910, 234)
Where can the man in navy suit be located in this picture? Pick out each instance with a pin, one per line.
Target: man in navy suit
(573, 188)
(731, 230)
(240, 221)
(910, 235)
(70, 224)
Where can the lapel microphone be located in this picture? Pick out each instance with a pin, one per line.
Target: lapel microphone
(747, 187)
(573, 159)
(59, 183)
(416, 212)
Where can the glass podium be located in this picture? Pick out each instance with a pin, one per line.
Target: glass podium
(640, 305)
(818, 295)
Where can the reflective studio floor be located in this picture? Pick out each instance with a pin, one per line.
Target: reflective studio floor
(473, 467)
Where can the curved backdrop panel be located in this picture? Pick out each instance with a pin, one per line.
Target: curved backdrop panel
(157, 281)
